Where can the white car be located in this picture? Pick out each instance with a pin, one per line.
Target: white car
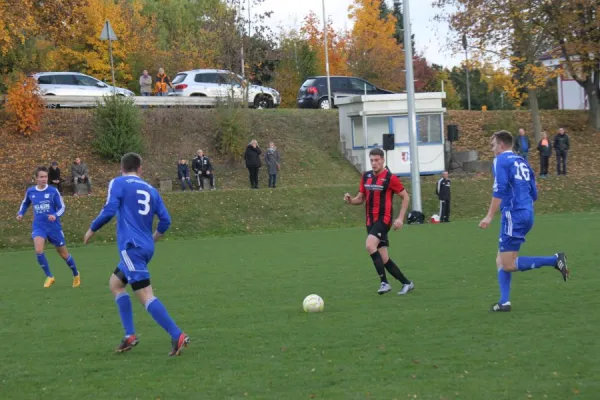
(221, 85)
(75, 84)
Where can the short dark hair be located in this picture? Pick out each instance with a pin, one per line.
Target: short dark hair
(504, 137)
(131, 162)
(40, 169)
(376, 152)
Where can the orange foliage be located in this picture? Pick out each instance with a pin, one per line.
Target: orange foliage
(337, 45)
(24, 106)
(375, 54)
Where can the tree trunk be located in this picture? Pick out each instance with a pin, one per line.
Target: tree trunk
(594, 100)
(535, 114)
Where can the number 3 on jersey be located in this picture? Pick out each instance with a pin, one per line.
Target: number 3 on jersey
(522, 171)
(145, 202)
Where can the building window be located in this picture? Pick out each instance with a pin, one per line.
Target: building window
(358, 135)
(376, 128)
(429, 128)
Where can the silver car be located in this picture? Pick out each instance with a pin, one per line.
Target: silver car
(222, 85)
(74, 84)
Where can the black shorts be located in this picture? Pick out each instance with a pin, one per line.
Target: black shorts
(380, 231)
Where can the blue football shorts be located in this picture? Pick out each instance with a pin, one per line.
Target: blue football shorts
(134, 264)
(514, 228)
(55, 237)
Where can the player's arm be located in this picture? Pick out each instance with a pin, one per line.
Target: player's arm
(109, 210)
(164, 219)
(500, 190)
(397, 187)
(24, 206)
(360, 196)
(59, 206)
(534, 191)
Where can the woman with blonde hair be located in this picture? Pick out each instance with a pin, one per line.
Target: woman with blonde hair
(162, 81)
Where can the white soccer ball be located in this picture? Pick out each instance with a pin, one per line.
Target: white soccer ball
(313, 303)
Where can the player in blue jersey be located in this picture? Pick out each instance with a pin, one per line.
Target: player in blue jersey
(135, 203)
(515, 192)
(48, 207)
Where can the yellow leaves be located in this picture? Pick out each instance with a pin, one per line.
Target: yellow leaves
(24, 107)
(337, 45)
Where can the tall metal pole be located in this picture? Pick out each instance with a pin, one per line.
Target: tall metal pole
(466, 47)
(330, 99)
(412, 113)
(112, 67)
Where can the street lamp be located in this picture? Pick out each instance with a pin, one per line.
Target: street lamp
(465, 46)
(325, 34)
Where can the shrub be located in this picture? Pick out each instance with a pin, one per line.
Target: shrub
(117, 128)
(231, 130)
(24, 107)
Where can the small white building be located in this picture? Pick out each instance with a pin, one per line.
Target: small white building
(571, 95)
(363, 121)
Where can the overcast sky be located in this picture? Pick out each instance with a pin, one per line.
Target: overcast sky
(430, 36)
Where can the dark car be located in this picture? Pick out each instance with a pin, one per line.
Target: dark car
(313, 93)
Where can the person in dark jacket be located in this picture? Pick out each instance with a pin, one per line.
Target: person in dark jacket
(561, 146)
(203, 169)
(522, 145)
(545, 150)
(183, 173)
(252, 158)
(443, 192)
(272, 161)
(54, 176)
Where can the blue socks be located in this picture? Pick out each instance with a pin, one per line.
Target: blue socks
(125, 310)
(529, 263)
(161, 316)
(44, 264)
(71, 264)
(504, 278)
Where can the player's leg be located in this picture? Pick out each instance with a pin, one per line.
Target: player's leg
(447, 210)
(372, 246)
(118, 284)
(211, 180)
(58, 240)
(136, 261)
(39, 242)
(393, 269)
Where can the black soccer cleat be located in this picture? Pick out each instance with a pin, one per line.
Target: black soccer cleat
(497, 307)
(127, 344)
(179, 344)
(561, 265)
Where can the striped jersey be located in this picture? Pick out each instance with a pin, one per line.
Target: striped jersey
(379, 191)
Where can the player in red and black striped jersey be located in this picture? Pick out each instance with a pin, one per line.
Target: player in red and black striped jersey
(377, 188)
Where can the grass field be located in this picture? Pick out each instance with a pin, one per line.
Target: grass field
(240, 301)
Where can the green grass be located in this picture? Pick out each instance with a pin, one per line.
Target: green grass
(239, 298)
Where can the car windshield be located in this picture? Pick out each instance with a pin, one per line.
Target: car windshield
(179, 78)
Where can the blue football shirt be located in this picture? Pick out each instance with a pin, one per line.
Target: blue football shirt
(514, 182)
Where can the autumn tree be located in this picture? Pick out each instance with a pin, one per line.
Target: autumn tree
(374, 53)
(575, 28)
(511, 30)
(337, 44)
(24, 106)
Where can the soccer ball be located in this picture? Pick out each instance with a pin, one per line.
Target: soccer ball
(435, 219)
(313, 303)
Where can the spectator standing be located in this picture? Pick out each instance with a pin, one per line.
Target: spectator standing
(80, 174)
(561, 146)
(443, 192)
(203, 169)
(253, 163)
(522, 145)
(545, 150)
(273, 165)
(162, 81)
(183, 173)
(145, 84)
(54, 176)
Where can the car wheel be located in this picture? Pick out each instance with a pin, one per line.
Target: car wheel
(324, 104)
(263, 101)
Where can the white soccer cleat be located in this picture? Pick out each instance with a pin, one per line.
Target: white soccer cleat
(406, 288)
(384, 288)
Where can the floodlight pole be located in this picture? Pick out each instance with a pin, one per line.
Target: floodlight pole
(466, 47)
(412, 113)
(325, 34)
